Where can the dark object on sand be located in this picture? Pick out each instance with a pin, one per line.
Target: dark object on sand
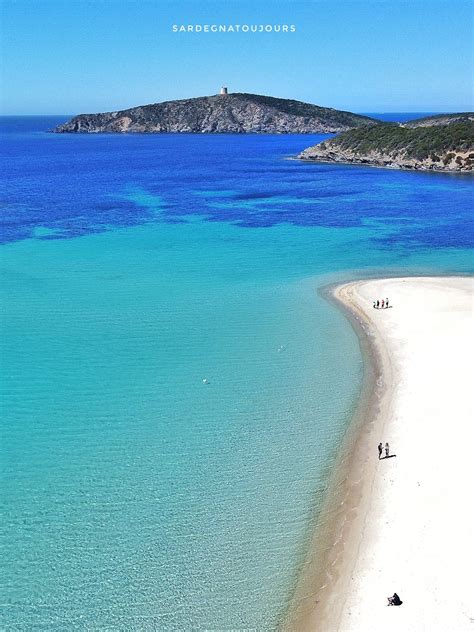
(380, 450)
(394, 600)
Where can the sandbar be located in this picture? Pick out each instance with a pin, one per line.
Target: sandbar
(401, 524)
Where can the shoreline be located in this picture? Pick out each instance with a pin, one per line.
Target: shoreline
(322, 565)
(376, 165)
(340, 552)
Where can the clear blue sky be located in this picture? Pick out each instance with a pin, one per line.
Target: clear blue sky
(75, 56)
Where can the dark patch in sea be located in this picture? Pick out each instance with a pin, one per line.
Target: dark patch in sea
(259, 196)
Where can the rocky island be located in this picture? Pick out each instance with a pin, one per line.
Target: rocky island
(441, 143)
(237, 113)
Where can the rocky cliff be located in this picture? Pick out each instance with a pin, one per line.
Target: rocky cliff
(439, 147)
(230, 113)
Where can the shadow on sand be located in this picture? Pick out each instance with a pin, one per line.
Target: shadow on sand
(390, 456)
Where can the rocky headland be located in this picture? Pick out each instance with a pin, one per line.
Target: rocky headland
(235, 113)
(440, 119)
(440, 143)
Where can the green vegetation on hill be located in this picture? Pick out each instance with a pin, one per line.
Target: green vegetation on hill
(237, 113)
(419, 143)
(299, 108)
(441, 119)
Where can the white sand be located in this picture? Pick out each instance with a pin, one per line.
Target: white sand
(417, 529)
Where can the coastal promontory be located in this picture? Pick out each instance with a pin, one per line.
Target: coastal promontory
(441, 143)
(234, 113)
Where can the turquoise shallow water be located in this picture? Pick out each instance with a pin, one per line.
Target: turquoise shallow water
(134, 495)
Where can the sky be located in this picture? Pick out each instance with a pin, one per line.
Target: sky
(78, 56)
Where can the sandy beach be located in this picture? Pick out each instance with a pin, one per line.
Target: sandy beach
(404, 524)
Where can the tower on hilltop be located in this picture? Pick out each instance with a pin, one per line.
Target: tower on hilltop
(224, 90)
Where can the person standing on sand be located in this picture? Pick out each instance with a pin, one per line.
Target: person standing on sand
(382, 303)
(386, 303)
(380, 449)
(378, 303)
(387, 449)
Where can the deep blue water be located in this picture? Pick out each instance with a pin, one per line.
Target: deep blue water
(135, 496)
(73, 185)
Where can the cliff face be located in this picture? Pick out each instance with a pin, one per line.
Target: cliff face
(437, 147)
(453, 161)
(232, 113)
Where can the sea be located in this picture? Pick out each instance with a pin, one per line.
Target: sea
(175, 389)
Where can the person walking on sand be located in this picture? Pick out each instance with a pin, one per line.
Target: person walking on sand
(374, 305)
(378, 303)
(382, 303)
(380, 450)
(387, 449)
(386, 303)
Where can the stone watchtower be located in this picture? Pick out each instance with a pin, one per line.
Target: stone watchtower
(224, 90)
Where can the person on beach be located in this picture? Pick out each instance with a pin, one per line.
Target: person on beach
(382, 303)
(386, 303)
(394, 600)
(387, 449)
(380, 450)
(374, 305)
(378, 303)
